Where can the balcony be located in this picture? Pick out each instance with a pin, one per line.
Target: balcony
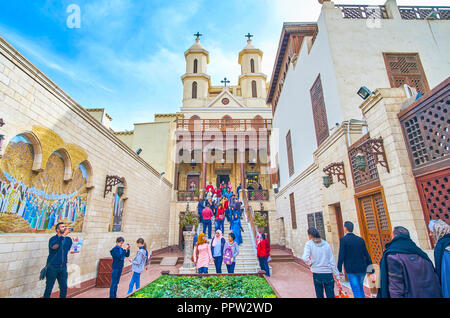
(422, 13)
(258, 195)
(223, 124)
(363, 11)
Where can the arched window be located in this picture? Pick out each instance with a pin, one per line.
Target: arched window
(258, 122)
(195, 66)
(254, 92)
(194, 123)
(227, 122)
(194, 90)
(252, 66)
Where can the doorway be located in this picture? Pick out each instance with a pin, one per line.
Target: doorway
(374, 222)
(222, 178)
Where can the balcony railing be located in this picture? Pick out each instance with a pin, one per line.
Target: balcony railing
(184, 195)
(363, 11)
(223, 125)
(422, 13)
(258, 195)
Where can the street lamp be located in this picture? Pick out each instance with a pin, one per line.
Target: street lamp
(364, 92)
(327, 181)
(360, 161)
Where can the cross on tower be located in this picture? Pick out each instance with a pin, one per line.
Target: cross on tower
(249, 36)
(225, 81)
(198, 35)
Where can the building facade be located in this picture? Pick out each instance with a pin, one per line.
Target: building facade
(318, 71)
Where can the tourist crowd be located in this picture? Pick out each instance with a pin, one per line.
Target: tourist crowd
(405, 271)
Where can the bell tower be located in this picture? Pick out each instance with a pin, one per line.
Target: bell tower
(252, 80)
(196, 82)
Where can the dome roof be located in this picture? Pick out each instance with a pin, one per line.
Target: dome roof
(197, 48)
(248, 49)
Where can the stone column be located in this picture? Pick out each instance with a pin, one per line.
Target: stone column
(188, 266)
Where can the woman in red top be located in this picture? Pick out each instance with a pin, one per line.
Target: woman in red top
(220, 218)
(263, 253)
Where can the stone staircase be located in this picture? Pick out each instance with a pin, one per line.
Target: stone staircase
(246, 261)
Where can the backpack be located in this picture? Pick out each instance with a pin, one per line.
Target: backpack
(228, 255)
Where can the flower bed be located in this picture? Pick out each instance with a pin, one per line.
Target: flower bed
(168, 286)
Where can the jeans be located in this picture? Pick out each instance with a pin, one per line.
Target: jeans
(56, 272)
(220, 226)
(135, 279)
(115, 278)
(230, 268)
(324, 281)
(264, 265)
(357, 284)
(218, 264)
(207, 223)
(203, 270)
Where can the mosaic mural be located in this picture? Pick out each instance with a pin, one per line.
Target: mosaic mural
(31, 201)
(117, 209)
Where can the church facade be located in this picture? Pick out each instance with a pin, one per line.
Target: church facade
(221, 134)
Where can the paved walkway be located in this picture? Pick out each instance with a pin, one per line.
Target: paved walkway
(291, 280)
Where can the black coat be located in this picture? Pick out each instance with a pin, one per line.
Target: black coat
(354, 255)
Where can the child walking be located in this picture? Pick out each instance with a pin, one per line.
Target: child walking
(138, 264)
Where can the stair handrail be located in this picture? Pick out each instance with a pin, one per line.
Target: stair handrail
(250, 216)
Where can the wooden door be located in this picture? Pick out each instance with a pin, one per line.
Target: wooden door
(375, 224)
(339, 222)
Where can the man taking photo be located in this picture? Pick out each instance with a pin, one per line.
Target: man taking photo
(59, 246)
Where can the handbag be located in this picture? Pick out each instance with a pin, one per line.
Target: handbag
(341, 293)
(196, 254)
(43, 273)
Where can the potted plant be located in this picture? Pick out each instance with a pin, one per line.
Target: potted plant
(188, 219)
(265, 195)
(252, 195)
(196, 194)
(260, 221)
(188, 196)
(180, 196)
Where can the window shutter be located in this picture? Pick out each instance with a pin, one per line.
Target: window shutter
(289, 153)
(293, 215)
(319, 111)
(406, 68)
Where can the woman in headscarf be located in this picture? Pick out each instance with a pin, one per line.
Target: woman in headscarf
(236, 227)
(217, 247)
(441, 232)
(202, 254)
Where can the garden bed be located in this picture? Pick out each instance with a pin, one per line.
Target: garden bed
(175, 286)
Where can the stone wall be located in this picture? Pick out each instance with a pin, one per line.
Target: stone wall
(28, 99)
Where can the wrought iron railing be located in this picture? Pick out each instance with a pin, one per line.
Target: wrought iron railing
(258, 195)
(184, 195)
(363, 11)
(223, 124)
(422, 13)
(249, 214)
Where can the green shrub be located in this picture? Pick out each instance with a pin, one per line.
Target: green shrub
(207, 287)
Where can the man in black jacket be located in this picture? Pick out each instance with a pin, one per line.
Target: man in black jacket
(356, 259)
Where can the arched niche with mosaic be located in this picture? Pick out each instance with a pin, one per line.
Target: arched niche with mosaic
(118, 205)
(33, 201)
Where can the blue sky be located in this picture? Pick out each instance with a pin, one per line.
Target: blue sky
(128, 55)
